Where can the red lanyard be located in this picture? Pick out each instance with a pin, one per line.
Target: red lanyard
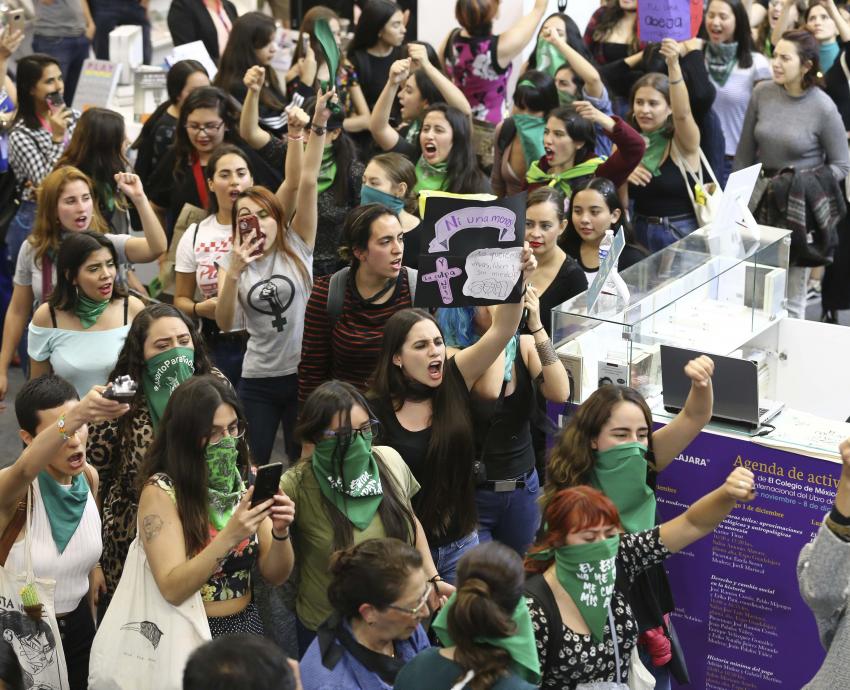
(200, 182)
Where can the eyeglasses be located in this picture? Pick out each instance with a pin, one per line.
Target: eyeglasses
(235, 430)
(423, 602)
(345, 434)
(210, 127)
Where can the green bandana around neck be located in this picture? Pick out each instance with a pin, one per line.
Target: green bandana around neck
(370, 195)
(549, 58)
(430, 177)
(828, 54)
(587, 572)
(64, 506)
(224, 485)
(720, 60)
(530, 131)
(327, 171)
(656, 147)
(565, 98)
(355, 487)
(520, 646)
(536, 174)
(88, 310)
(620, 474)
(161, 377)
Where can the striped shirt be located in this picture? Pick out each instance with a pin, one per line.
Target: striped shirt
(349, 351)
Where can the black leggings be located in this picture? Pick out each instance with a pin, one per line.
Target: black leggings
(76, 629)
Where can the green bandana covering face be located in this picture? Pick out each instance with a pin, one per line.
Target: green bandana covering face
(162, 375)
(720, 60)
(327, 171)
(370, 195)
(656, 146)
(224, 485)
(64, 506)
(88, 310)
(536, 175)
(620, 474)
(530, 131)
(430, 177)
(565, 98)
(521, 645)
(587, 572)
(549, 58)
(357, 492)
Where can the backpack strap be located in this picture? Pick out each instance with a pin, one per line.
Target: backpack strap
(13, 529)
(539, 590)
(336, 294)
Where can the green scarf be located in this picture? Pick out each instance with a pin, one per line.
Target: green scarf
(88, 310)
(64, 506)
(224, 485)
(162, 374)
(720, 60)
(828, 53)
(327, 171)
(549, 58)
(520, 646)
(430, 177)
(587, 572)
(411, 136)
(656, 146)
(530, 131)
(565, 98)
(326, 40)
(620, 474)
(354, 485)
(536, 175)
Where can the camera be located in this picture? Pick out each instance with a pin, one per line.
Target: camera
(123, 389)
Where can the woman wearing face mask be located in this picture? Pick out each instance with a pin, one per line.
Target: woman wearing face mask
(418, 84)
(389, 179)
(66, 205)
(610, 444)
(196, 522)
(162, 345)
(380, 595)
(585, 535)
(347, 491)
(79, 332)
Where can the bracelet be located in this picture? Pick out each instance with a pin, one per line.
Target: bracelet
(60, 426)
(277, 538)
(546, 352)
(318, 129)
(542, 328)
(98, 566)
(677, 81)
(435, 579)
(300, 137)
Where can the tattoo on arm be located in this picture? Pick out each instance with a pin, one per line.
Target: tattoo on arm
(152, 526)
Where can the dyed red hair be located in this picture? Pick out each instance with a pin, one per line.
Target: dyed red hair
(569, 511)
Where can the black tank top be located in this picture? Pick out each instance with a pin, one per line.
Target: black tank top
(665, 195)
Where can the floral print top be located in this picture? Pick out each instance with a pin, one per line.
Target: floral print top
(472, 64)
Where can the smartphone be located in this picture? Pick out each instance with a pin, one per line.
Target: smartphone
(55, 100)
(305, 44)
(267, 482)
(248, 226)
(15, 20)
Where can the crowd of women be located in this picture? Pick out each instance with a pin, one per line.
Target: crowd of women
(284, 212)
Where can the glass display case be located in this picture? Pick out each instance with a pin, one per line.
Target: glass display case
(703, 292)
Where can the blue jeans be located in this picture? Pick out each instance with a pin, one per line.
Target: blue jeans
(270, 403)
(109, 14)
(657, 233)
(446, 556)
(69, 52)
(227, 353)
(509, 517)
(17, 233)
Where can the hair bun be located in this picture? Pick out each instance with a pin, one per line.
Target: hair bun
(475, 586)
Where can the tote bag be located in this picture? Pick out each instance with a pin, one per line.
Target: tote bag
(36, 642)
(143, 642)
(705, 197)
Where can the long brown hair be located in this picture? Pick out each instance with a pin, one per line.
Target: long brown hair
(608, 20)
(573, 456)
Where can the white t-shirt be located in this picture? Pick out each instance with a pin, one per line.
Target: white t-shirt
(733, 97)
(273, 297)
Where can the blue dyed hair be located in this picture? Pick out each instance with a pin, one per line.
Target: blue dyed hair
(458, 326)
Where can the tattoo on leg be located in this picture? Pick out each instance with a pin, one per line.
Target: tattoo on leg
(152, 526)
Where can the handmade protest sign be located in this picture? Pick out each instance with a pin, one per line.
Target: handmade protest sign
(660, 19)
(473, 251)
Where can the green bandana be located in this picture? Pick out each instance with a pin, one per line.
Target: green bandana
(327, 171)
(355, 487)
(430, 177)
(536, 175)
(325, 37)
(530, 131)
(224, 485)
(411, 136)
(549, 58)
(87, 310)
(656, 146)
(64, 506)
(620, 474)
(521, 645)
(565, 98)
(587, 572)
(720, 60)
(162, 375)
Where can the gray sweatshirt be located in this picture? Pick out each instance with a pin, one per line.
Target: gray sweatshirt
(803, 132)
(823, 571)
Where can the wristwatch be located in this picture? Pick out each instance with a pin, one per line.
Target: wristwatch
(318, 129)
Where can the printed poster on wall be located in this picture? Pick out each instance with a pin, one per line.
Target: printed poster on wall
(471, 251)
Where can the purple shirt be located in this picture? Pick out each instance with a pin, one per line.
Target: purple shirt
(471, 63)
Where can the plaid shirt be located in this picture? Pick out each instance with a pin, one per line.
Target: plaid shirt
(33, 153)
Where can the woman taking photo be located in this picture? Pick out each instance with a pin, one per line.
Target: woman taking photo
(196, 522)
(347, 491)
(66, 205)
(160, 337)
(81, 329)
(380, 595)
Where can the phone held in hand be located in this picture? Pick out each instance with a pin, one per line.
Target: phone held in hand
(15, 20)
(249, 228)
(55, 100)
(267, 483)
